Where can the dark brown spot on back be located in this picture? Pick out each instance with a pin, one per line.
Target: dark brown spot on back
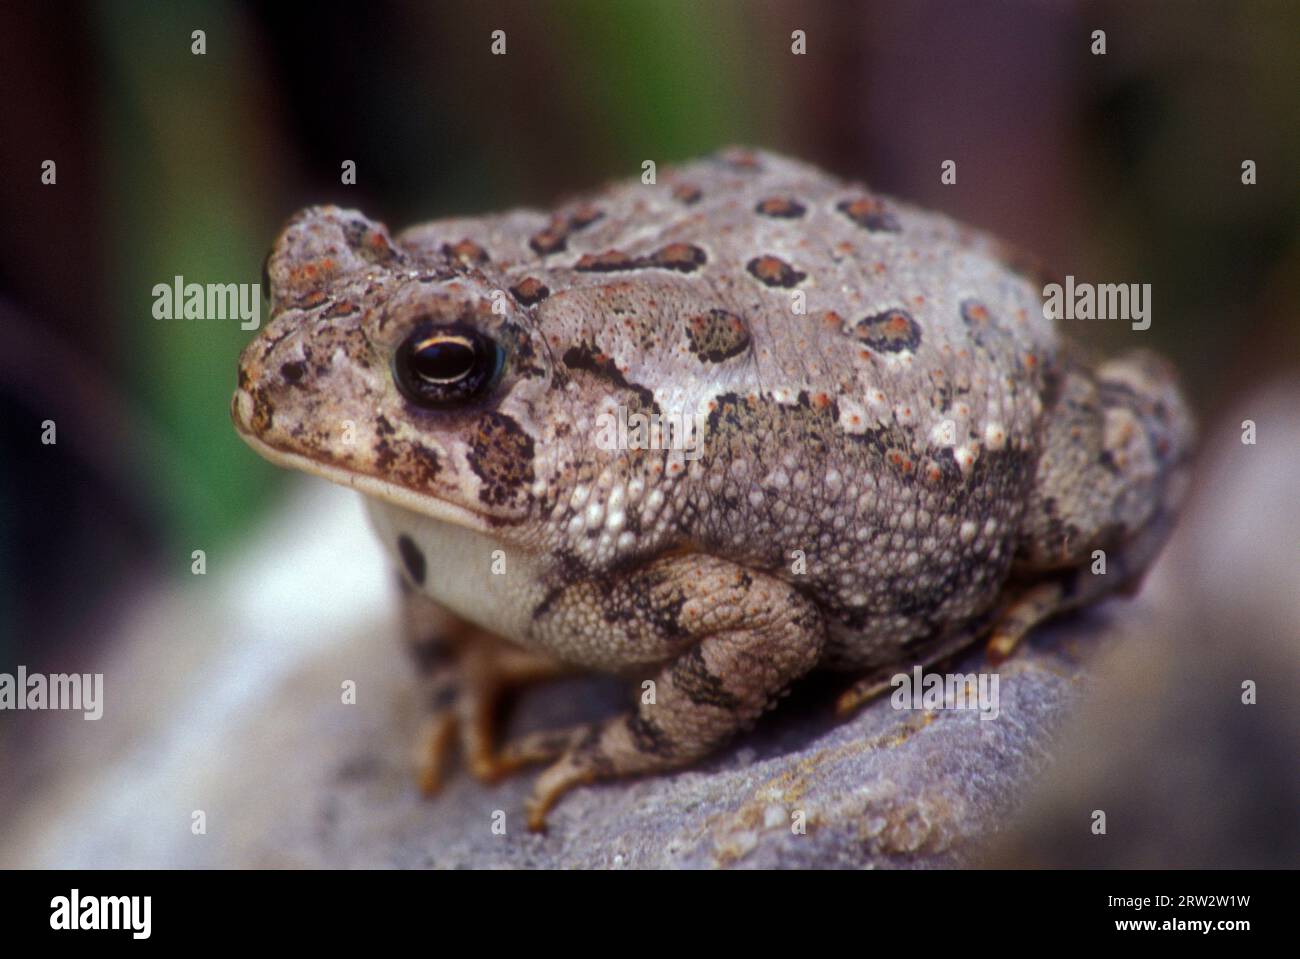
(717, 335)
(773, 271)
(781, 207)
(978, 319)
(586, 359)
(530, 290)
(369, 244)
(975, 314)
(467, 252)
(870, 214)
(683, 257)
(548, 241)
(555, 237)
(892, 331)
(606, 262)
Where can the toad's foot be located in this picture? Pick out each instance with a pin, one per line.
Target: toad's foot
(465, 671)
(863, 691)
(1036, 604)
(935, 653)
(462, 706)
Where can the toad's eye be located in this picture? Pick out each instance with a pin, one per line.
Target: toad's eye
(444, 366)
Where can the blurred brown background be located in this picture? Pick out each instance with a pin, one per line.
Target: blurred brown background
(1122, 167)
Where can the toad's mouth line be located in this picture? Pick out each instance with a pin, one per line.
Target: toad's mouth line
(374, 486)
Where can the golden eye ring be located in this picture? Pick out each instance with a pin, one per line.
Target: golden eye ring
(438, 367)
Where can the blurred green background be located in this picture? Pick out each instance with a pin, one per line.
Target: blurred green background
(1123, 168)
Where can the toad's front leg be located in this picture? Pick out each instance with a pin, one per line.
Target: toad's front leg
(721, 643)
(463, 672)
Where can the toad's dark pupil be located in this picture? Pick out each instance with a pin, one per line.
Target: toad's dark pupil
(443, 359)
(439, 368)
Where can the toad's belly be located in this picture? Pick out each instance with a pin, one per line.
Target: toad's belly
(470, 573)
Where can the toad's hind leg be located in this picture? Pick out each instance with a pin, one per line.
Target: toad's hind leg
(729, 642)
(1111, 474)
(1113, 471)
